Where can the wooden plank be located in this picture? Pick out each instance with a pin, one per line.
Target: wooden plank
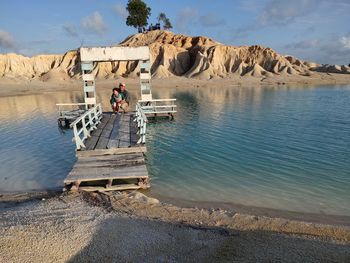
(102, 125)
(97, 173)
(122, 158)
(91, 142)
(111, 157)
(106, 133)
(110, 163)
(114, 187)
(114, 139)
(108, 172)
(161, 115)
(88, 54)
(124, 131)
(99, 152)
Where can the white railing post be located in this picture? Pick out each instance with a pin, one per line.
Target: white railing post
(141, 123)
(144, 132)
(85, 131)
(93, 120)
(91, 123)
(78, 142)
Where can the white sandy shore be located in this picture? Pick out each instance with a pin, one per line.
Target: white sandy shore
(11, 87)
(131, 227)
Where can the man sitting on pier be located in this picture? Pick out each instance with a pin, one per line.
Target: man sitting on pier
(124, 104)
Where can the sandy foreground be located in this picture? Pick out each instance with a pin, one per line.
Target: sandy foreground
(131, 227)
(12, 87)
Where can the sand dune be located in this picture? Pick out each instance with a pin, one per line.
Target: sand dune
(172, 55)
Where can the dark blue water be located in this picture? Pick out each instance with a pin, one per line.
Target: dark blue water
(270, 147)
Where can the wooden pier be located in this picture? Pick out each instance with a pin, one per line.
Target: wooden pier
(110, 148)
(110, 152)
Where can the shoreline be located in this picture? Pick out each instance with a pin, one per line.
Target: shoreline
(108, 226)
(337, 220)
(11, 87)
(12, 199)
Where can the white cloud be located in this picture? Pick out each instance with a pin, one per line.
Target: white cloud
(212, 20)
(285, 11)
(94, 24)
(304, 44)
(70, 30)
(331, 49)
(120, 10)
(7, 41)
(345, 41)
(186, 16)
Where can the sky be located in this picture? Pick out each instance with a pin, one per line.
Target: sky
(315, 30)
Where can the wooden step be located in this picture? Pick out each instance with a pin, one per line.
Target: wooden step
(114, 187)
(102, 173)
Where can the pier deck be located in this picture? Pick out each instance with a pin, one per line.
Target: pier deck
(111, 158)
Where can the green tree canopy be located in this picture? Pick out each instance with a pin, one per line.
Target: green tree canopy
(166, 22)
(161, 17)
(139, 13)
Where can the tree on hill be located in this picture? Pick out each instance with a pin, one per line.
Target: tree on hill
(139, 13)
(166, 22)
(161, 17)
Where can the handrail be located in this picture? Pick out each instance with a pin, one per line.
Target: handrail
(155, 100)
(71, 104)
(63, 111)
(141, 120)
(158, 106)
(84, 124)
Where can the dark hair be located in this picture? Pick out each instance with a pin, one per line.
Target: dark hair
(115, 89)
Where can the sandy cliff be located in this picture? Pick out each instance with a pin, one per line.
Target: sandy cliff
(172, 55)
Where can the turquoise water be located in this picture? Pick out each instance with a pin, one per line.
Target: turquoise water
(279, 148)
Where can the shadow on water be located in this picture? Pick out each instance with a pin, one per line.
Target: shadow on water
(139, 240)
(187, 99)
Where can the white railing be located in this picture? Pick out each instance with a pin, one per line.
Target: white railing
(158, 106)
(84, 124)
(74, 109)
(141, 120)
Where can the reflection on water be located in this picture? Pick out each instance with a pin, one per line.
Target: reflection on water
(35, 154)
(278, 148)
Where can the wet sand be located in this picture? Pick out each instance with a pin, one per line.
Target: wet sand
(118, 227)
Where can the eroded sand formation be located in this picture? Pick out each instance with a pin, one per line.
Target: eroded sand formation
(172, 55)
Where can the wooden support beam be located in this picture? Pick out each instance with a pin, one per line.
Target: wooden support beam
(99, 152)
(113, 188)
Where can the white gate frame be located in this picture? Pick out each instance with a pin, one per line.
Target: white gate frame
(89, 55)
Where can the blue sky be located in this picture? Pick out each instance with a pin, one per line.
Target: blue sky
(316, 30)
